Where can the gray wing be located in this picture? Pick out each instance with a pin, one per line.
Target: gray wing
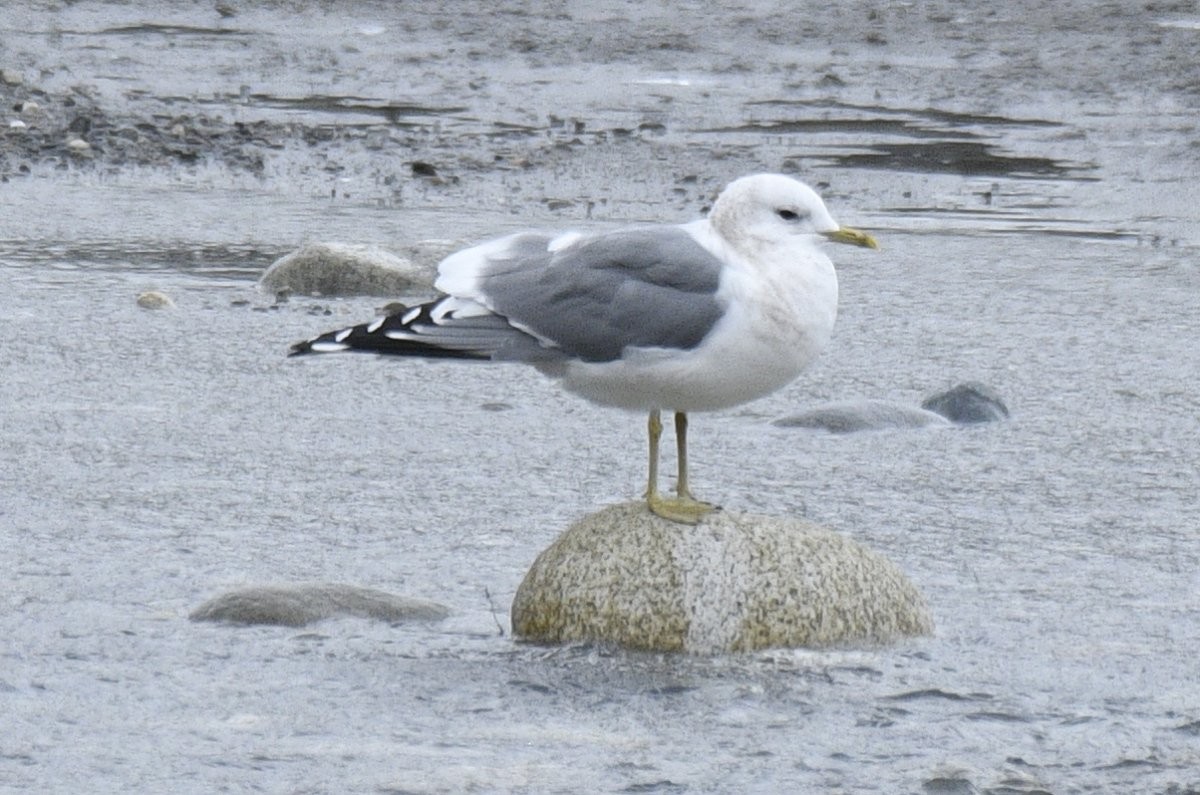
(592, 298)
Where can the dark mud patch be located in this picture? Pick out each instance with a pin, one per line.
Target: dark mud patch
(924, 141)
(843, 126)
(172, 30)
(935, 115)
(965, 158)
(395, 113)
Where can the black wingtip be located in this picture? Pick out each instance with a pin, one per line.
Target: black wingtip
(417, 331)
(300, 348)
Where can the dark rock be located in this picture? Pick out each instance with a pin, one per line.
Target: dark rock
(420, 169)
(968, 403)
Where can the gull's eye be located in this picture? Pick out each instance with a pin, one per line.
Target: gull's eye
(788, 215)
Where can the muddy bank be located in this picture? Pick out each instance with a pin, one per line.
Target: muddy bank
(605, 112)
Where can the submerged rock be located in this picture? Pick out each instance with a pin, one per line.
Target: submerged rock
(300, 604)
(153, 299)
(344, 269)
(968, 403)
(731, 583)
(965, 404)
(861, 415)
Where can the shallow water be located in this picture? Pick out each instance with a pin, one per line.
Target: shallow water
(154, 459)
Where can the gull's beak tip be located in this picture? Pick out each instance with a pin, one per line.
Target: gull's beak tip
(854, 237)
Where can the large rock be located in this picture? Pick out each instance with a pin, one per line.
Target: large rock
(345, 269)
(733, 582)
(300, 604)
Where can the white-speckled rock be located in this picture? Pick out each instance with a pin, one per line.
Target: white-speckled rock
(344, 269)
(303, 603)
(734, 582)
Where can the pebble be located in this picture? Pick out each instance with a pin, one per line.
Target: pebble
(78, 146)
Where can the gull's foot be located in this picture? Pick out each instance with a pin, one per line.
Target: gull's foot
(685, 510)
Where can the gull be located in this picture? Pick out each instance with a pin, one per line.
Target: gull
(684, 318)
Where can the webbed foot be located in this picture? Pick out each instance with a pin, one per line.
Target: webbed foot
(685, 510)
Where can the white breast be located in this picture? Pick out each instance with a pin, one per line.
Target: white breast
(778, 319)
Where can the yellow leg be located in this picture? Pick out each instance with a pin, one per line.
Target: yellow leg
(683, 508)
(681, 484)
(654, 426)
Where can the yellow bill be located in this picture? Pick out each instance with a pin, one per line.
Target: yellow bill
(852, 236)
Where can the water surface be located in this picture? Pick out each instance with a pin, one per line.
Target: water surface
(1029, 174)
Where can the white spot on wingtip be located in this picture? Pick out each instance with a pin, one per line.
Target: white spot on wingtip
(451, 308)
(410, 315)
(563, 241)
(341, 335)
(328, 347)
(375, 324)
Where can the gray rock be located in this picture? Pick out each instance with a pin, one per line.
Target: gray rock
(153, 299)
(861, 415)
(345, 269)
(731, 583)
(300, 604)
(968, 403)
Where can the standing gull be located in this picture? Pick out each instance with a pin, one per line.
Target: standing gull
(692, 317)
